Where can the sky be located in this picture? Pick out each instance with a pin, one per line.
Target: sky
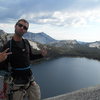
(61, 19)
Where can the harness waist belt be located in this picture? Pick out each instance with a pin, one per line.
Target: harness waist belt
(22, 68)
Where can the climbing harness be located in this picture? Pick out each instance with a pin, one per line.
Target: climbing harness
(5, 81)
(8, 82)
(2, 96)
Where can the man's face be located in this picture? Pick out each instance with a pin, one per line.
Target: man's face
(21, 28)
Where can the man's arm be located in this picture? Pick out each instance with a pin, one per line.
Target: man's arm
(40, 55)
(35, 56)
(32, 55)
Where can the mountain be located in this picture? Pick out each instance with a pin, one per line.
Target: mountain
(94, 44)
(39, 37)
(4, 37)
(58, 48)
(64, 43)
(1, 32)
(81, 42)
(43, 38)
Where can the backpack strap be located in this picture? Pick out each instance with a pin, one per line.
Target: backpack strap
(26, 42)
(10, 49)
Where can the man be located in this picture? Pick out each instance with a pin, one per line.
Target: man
(4, 54)
(19, 61)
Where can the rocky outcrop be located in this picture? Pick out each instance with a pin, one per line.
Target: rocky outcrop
(91, 93)
(4, 37)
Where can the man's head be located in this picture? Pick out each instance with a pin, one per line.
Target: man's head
(21, 27)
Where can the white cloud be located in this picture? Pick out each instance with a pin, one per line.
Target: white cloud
(64, 18)
(9, 28)
(89, 0)
(3, 8)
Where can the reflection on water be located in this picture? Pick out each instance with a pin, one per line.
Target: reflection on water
(66, 74)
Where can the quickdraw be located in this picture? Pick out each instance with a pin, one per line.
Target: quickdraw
(3, 92)
(2, 96)
(5, 82)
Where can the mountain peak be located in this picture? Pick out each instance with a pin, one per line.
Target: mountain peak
(2, 32)
(40, 37)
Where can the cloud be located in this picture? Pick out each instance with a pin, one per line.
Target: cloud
(64, 18)
(60, 13)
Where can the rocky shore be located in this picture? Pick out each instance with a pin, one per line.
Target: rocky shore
(91, 93)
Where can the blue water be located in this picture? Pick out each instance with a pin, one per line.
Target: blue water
(66, 74)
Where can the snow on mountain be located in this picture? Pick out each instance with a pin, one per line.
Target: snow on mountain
(2, 37)
(39, 37)
(81, 42)
(64, 43)
(34, 45)
(1, 32)
(95, 44)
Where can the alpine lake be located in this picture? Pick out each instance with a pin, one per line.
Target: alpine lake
(66, 74)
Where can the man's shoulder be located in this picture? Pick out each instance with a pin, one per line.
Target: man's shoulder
(26, 41)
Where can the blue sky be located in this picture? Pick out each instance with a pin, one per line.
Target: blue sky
(61, 19)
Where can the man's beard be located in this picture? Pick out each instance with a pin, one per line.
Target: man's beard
(18, 33)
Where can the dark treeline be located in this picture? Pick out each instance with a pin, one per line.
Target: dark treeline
(77, 51)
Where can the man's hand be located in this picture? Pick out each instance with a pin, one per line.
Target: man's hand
(44, 51)
(4, 54)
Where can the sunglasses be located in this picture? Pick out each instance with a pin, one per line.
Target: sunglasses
(21, 25)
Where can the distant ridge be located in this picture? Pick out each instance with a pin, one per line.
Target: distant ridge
(58, 48)
(2, 32)
(39, 37)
